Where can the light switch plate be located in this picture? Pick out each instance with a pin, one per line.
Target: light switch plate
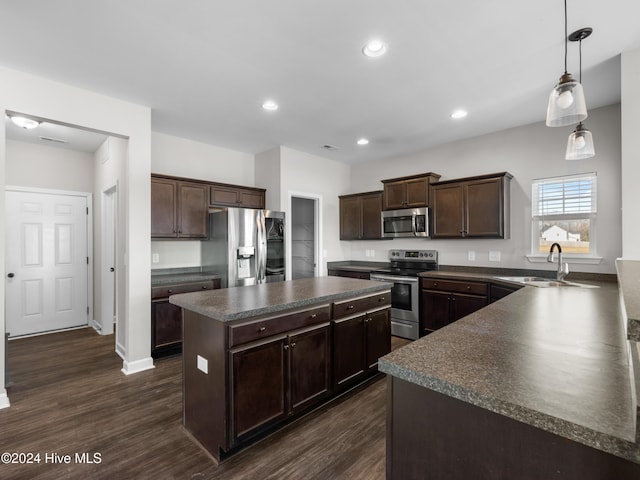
(155, 258)
(471, 256)
(203, 364)
(494, 256)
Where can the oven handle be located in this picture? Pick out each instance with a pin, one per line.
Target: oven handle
(393, 279)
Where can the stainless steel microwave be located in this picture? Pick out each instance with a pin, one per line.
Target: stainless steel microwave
(408, 222)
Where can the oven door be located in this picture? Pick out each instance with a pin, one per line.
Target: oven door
(404, 304)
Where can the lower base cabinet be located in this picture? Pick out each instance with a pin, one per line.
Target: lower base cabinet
(243, 379)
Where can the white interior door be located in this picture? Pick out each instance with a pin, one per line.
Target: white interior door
(46, 262)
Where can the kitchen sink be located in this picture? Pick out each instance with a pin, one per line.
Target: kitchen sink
(545, 282)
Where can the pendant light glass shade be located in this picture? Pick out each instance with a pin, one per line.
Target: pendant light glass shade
(566, 103)
(580, 144)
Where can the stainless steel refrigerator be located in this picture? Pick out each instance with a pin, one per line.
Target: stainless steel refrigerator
(245, 246)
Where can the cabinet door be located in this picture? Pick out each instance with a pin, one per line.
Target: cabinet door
(349, 360)
(395, 195)
(193, 208)
(435, 310)
(166, 326)
(257, 386)
(251, 199)
(163, 208)
(350, 218)
(417, 193)
(223, 196)
(447, 210)
(372, 216)
(378, 337)
(310, 362)
(463, 305)
(484, 208)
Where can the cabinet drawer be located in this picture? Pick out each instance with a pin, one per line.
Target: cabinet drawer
(360, 304)
(165, 291)
(248, 332)
(474, 288)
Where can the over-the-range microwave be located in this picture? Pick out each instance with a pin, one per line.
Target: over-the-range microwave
(408, 222)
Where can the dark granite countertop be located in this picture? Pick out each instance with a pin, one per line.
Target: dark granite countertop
(237, 303)
(555, 358)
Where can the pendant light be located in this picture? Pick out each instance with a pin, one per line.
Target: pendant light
(580, 143)
(566, 101)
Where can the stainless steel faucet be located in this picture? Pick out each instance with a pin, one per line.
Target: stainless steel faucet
(563, 268)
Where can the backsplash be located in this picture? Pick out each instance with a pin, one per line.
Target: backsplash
(175, 254)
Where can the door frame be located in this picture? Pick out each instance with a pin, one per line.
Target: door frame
(317, 227)
(89, 199)
(109, 251)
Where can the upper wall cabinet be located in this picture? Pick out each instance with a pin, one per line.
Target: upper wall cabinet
(474, 207)
(234, 196)
(360, 216)
(408, 192)
(178, 208)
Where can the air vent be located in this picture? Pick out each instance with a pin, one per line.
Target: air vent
(50, 139)
(330, 147)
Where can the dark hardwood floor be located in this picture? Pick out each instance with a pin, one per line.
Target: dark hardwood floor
(69, 397)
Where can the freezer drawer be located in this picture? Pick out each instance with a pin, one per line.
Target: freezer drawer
(403, 329)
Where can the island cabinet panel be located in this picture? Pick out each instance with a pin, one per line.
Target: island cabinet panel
(349, 336)
(378, 337)
(445, 301)
(408, 192)
(474, 207)
(179, 209)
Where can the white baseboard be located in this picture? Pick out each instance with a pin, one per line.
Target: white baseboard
(4, 399)
(129, 368)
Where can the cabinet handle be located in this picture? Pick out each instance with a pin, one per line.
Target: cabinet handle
(262, 329)
(435, 284)
(381, 299)
(350, 307)
(170, 291)
(313, 315)
(293, 344)
(286, 347)
(468, 287)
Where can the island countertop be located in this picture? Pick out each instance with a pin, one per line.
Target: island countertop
(553, 358)
(237, 303)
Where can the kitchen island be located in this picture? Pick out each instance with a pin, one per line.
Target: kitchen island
(540, 384)
(256, 357)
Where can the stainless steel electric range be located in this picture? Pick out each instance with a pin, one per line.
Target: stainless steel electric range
(403, 273)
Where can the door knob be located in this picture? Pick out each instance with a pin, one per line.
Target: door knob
(10, 275)
(112, 269)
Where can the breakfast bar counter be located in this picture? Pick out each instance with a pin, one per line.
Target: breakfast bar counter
(537, 385)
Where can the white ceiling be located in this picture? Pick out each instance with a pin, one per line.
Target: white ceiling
(205, 67)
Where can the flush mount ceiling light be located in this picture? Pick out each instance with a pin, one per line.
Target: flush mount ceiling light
(270, 106)
(580, 143)
(374, 48)
(24, 122)
(459, 114)
(363, 141)
(566, 101)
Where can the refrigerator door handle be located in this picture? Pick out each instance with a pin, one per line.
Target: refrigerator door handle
(262, 248)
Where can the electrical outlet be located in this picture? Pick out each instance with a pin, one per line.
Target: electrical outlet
(494, 256)
(373, 253)
(155, 258)
(471, 256)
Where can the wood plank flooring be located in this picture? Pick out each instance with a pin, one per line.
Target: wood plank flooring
(69, 397)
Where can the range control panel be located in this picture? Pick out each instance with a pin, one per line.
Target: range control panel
(420, 255)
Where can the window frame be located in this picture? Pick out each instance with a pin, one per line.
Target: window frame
(591, 215)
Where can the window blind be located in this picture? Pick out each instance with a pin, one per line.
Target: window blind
(569, 195)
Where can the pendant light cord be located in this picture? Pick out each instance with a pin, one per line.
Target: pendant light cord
(565, 36)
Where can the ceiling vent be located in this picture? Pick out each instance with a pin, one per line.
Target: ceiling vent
(330, 147)
(50, 139)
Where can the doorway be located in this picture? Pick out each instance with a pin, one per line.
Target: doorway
(305, 235)
(47, 260)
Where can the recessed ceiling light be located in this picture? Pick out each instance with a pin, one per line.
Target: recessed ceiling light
(24, 122)
(459, 114)
(374, 48)
(270, 105)
(363, 141)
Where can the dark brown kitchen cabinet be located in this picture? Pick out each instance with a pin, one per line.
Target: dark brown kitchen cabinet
(179, 209)
(361, 335)
(408, 192)
(360, 216)
(501, 291)
(166, 318)
(444, 301)
(236, 196)
(474, 207)
(279, 376)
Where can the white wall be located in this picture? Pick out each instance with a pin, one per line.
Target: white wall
(528, 152)
(180, 157)
(268, 173)
(46, 99)
(630, 78)
(39, 166)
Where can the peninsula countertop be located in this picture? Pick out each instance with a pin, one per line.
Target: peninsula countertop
(237, 303)
(554, 358)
